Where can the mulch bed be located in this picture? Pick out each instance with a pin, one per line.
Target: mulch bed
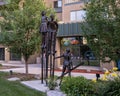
(22, 76)
(84, 71)
(9, 67)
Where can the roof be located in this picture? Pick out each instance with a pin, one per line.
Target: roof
(70, 29)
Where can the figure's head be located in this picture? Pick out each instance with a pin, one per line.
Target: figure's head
(43, 13)
(52, 16)
(68, 50)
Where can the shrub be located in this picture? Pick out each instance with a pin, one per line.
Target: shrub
(110, 84)
(77, 86)
(112, 88)
(100, 87)
(52, 83)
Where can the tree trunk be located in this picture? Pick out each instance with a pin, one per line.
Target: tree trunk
(26, 67)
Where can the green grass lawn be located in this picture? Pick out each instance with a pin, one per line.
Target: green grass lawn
(14, 88)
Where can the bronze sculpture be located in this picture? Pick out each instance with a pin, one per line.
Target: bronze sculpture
(48, 30)
(43, 27)
(67, 63)
(52, 31)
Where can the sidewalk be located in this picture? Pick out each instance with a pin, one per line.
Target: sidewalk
(36, 69)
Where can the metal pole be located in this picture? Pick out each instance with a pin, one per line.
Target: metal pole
(54, 51)
(42, 67)
(50, 53)
(47, 59)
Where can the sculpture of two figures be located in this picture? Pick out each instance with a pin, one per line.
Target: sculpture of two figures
(48, 30)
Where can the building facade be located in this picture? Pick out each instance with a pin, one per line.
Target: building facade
(67, 10)
(70, 13)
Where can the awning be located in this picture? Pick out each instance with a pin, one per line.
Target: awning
(69, 30)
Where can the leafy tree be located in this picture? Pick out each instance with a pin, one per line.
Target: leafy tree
(102, 27)
(20, 27)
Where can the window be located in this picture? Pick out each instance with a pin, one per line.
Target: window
(2, 53)
(57, 4)
(77, 15)
(15, 56)
(72, 16)
(71, 1)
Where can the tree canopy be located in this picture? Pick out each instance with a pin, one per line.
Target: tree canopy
(102, 28)
(20, 26)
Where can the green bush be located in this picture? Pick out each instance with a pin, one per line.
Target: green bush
(108, 88)
(112, 88)
(77, 86)
(100, 87)
(52, 83)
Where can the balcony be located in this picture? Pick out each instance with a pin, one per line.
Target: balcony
(70, 29)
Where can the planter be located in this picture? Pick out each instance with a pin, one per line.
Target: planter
(107, 65)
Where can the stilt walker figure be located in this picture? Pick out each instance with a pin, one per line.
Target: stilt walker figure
(43, 28)
(48, 30)
(43, 31)
(52, 28)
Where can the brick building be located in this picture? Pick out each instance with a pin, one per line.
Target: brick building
(67, 10)
(70, 14)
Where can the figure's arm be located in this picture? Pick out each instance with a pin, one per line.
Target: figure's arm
(59, 56)
(56, 24)
(47, 19)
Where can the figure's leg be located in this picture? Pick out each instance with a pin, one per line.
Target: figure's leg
(49, 42)
(44, 35)
(71, 65)
(45, 42)
(63, 70)
(62, 75)
(69, 71)
(53, 50)
(53, 42)
(49, 52)
(43, 64)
